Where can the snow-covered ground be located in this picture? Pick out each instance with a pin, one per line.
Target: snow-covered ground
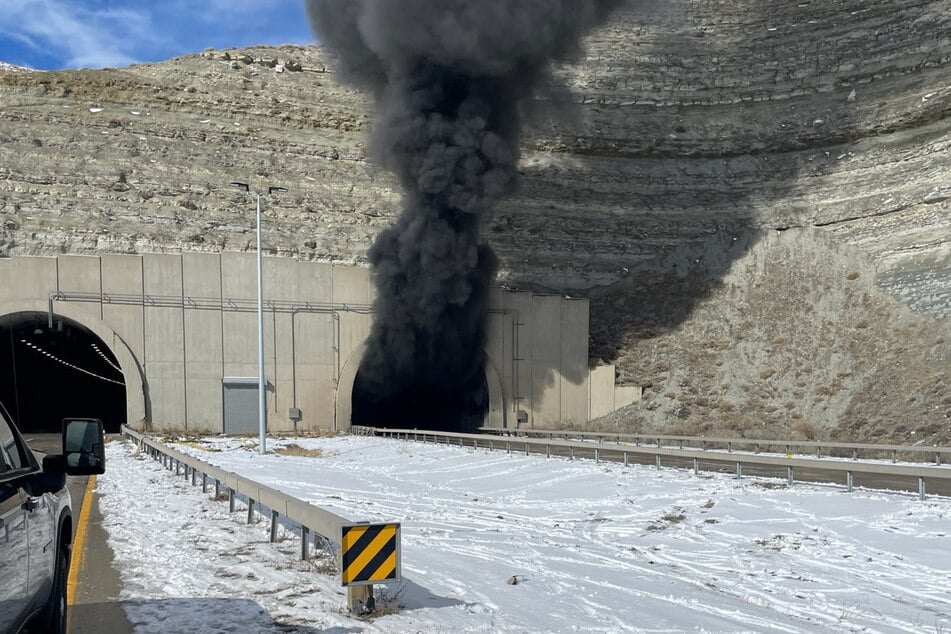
(595, 547)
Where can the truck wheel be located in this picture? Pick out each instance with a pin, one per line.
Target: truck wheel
(53, 617)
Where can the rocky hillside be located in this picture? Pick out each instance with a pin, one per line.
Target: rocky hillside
(755, 195)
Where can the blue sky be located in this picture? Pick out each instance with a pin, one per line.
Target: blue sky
(55, 34)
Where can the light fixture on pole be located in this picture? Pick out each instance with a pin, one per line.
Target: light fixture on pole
(262, 385)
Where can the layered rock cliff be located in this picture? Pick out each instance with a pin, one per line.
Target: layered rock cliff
(738, 186)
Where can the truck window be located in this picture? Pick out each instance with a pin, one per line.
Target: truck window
(10, 456)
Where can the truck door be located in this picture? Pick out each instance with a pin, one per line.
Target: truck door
(42, 543)
(15, 598)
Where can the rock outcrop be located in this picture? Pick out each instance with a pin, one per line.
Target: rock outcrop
(720, 168)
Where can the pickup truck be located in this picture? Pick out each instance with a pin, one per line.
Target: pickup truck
(36, 525)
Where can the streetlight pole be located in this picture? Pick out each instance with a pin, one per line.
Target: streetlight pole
(262, 386)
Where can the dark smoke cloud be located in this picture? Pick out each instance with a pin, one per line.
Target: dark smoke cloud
(449, 77)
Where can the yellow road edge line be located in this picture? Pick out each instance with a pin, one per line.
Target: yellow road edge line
(79, 547)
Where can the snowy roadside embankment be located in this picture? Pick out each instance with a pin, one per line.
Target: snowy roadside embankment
(596, 547)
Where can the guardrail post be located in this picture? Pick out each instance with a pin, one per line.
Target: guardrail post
(681, 444)
(250, 510)
(818, 451)
(921, 487)
(739, 470)
(204, 482)
(303, 543)
(491, 446)
(894, 456)
(855, 454)
(526, 449)
(548, 451)
(508, 447)
(193, 476)
(625, 458)
(696, 466)
(571, 453)
(729, 447)
(597, 457)
(789, 475)
(657, 460)
(848, 480)
(274, 515)
(937, 459)
(230, 500)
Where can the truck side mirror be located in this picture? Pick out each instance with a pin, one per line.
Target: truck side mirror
(84, 446)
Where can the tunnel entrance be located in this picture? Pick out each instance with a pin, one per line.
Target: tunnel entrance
(48, 374)
(421, 406)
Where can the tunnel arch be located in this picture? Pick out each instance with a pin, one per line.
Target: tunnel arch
(347, 380)
(110, 349)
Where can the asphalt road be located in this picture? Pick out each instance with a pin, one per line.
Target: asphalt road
(94, 605)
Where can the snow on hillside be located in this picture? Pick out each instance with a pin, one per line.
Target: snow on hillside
(12, 68)
(596, 547)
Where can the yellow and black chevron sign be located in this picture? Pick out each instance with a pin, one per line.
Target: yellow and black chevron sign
(370, 553)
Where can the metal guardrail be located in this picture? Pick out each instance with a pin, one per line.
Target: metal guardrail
(704, 442)
(622, 452)
(311, 519)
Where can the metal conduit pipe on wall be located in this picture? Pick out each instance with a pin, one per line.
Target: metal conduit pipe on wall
(293, 308)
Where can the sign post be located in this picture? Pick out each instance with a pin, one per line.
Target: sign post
(369, 553)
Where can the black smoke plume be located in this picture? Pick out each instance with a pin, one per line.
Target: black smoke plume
(450, 78)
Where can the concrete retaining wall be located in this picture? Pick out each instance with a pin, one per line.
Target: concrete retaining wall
(180, 323)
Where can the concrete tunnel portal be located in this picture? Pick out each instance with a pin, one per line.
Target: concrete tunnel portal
(49, 374)
(422, 406)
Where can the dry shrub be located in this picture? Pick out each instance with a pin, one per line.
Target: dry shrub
(765, 373)
(387, 600)
(852, 276)
(805, 429)
(294, 449)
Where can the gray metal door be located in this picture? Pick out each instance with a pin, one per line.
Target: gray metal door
(240, 405)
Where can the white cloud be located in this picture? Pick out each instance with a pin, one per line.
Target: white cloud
(82, 36)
